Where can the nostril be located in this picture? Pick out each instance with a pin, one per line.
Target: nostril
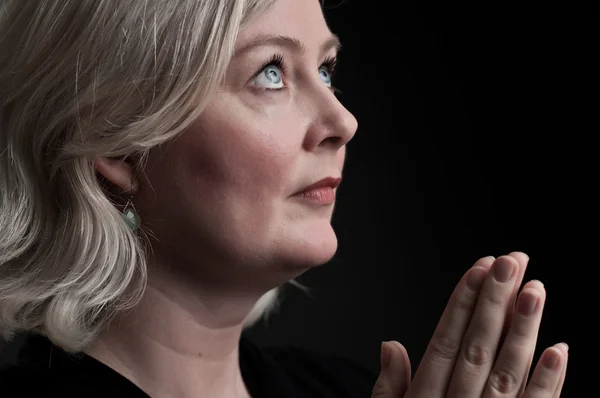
(336, 141)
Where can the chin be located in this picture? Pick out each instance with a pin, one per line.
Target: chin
(310, 247)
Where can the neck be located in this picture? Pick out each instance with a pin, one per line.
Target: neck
(179, 342)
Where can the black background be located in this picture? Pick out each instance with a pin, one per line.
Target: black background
(461, 153)
(465, 119)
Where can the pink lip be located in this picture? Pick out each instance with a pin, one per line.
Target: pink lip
(322, 191)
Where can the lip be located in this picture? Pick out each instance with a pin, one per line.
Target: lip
(321, 192)
(328, 182)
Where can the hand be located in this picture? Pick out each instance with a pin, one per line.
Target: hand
(467, 356)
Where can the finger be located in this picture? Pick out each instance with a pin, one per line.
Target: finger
(405, 367)
(485, 262)
(565, 348)
(528, 368)
(435, 369)
(481, 339)
(546, 374)
(523, 260)
(526, 375)
(511, 366)
(394, 378)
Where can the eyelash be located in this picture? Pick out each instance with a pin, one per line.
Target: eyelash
(277, 60)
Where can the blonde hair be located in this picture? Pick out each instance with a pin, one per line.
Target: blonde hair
(78, 80)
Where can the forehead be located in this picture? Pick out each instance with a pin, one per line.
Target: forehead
(299, 19)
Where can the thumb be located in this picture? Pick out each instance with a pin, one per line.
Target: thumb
(395, 375)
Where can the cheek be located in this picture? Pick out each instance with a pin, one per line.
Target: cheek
(243, 160)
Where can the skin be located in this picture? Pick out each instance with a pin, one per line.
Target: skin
(483, 345)
(218, 202)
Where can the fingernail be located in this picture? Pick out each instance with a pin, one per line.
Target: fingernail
(504, 271)
(537, 282)
(551, 359)
(475, 279)
(566, 346)
(386, 356)
(528, 303)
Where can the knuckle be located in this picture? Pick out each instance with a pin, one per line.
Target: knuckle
(522, 329)
(541, 383)
(514, 352)
(379, 391)
(503, 381)
(476, 354)
(495, 299)
(444, 347)
(465, 303)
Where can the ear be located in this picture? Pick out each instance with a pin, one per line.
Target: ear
(119, 172)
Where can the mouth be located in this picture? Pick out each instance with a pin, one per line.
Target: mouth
(322, 192)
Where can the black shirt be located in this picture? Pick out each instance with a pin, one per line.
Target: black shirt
(44, 370)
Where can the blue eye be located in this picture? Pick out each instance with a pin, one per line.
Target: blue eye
(271, 77)
(327, 71)
(326, 76)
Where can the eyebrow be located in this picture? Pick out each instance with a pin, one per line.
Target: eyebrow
(288, 42)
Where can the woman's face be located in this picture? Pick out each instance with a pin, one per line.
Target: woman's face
(223, 192)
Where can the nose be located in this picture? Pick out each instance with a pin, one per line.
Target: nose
(332, 126)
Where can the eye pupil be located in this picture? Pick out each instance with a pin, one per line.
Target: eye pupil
(273, 75)
(325, 76)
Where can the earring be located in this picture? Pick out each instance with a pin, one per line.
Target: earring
(131, 217)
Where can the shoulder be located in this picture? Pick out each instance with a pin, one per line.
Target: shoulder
(21, 381)
(27, 381)
(30, 374)
(298, 372)
(43, 369)
(323, 374)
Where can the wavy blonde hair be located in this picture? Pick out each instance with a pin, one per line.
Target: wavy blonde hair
(78, 80)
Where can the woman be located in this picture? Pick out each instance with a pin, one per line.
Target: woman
(165, 167)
